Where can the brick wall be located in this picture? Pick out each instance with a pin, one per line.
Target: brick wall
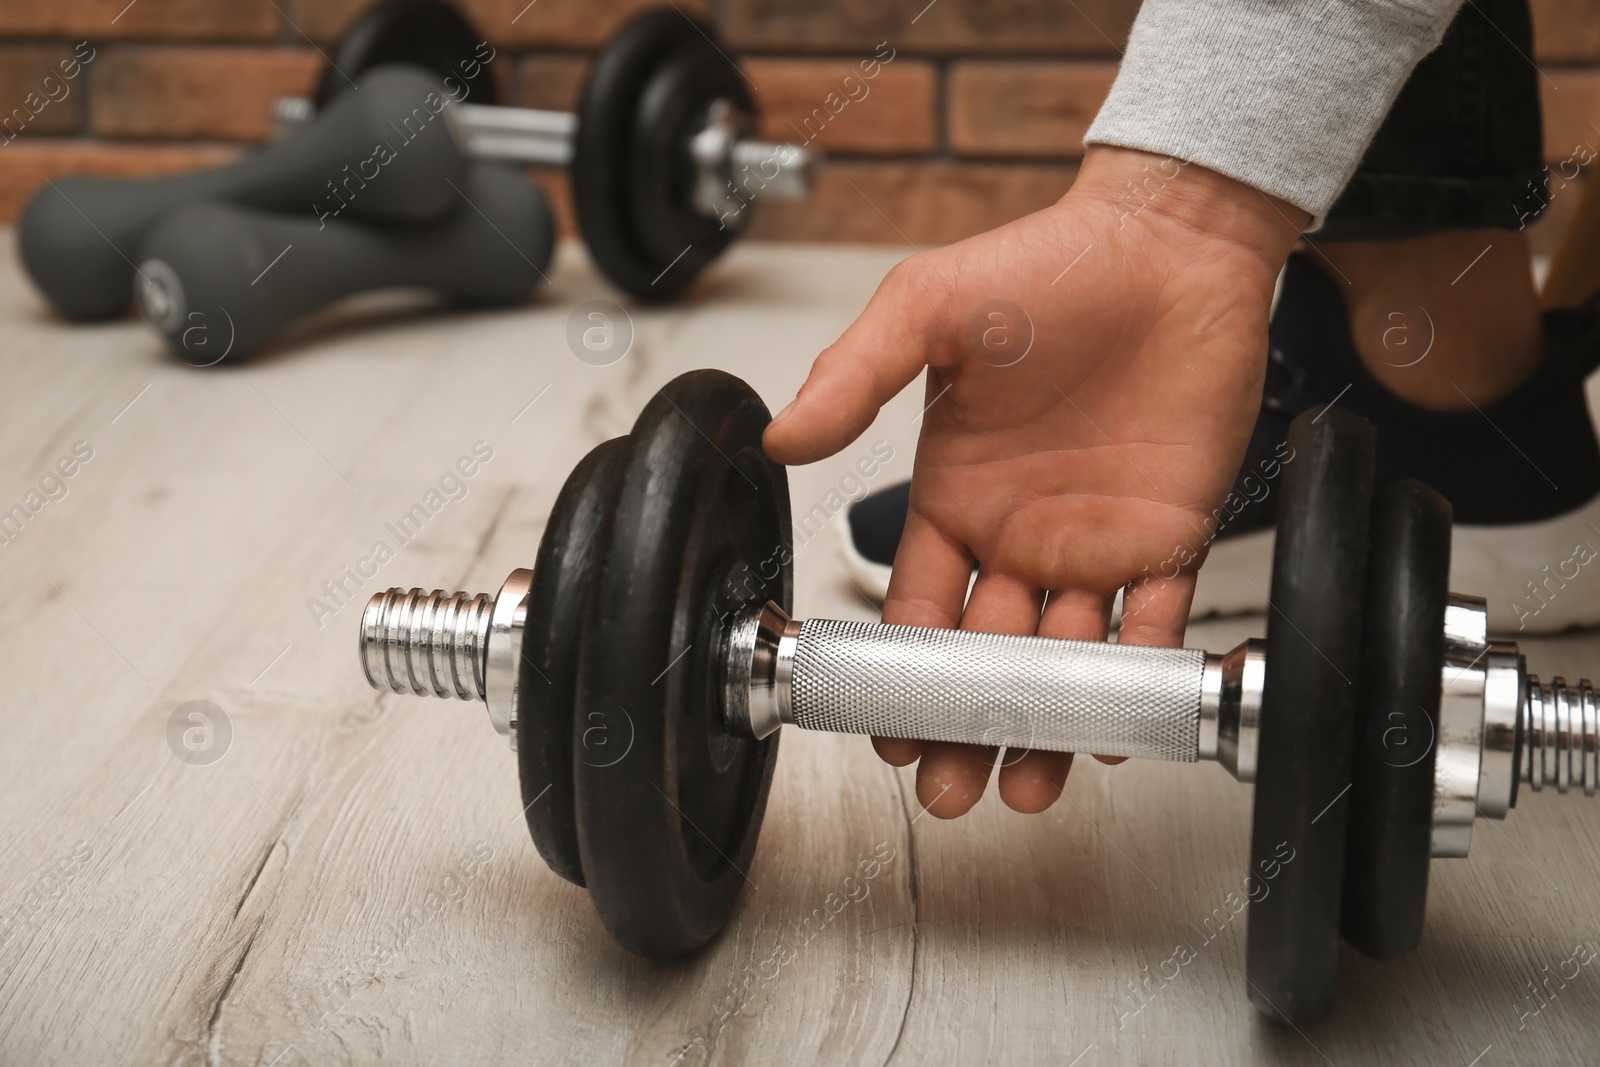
(977, 120)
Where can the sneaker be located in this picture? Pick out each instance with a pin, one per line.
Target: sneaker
(1522, 475)
(875, 522)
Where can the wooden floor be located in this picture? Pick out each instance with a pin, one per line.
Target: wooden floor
(351, 882)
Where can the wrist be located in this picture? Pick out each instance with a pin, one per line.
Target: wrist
(1163, 193)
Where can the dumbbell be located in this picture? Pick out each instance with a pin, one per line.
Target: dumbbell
(642, 669)
(385, 153)
(218, 281)
(422, 33)
(663, 165)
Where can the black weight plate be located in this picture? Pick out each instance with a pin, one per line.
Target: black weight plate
(603, 148)
(422, 33)
(1308, 712)
(1391, 798)
(674, 108)
(669, 804)
(563, 576)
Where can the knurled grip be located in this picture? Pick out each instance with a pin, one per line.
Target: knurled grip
(995, 689)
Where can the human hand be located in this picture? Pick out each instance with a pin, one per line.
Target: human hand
(1092, 463)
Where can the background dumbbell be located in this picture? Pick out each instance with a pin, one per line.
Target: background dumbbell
(664, 168)
(1377, 719)
(218, 281)
(78, 236)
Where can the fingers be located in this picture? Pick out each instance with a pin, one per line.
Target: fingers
(928, 584)
(1002, 605)
(897, 751)
(1032, 781)
(926, 588)
(1155, 611)
(1076, 615)
(951, 778)
(876, 357)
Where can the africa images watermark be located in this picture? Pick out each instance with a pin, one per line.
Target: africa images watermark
(452, 487)
(412, 126)
(748, 184)
(1543, 994)
(199, 732)
(1257, 887)
(852, 890)
(52, 90)
(1540, 192)
(753, 585)
(1136, 196)
(53, 485)
(1256, 487)
(384, 956)
(1543, 594)
(45, 890)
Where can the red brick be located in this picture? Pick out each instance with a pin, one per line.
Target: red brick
(892, 112)
(1025, 108)
(24, 165)
(832, 103)
(36, 96)
(1570, 99)
(1566, 31)
(504, 23)
(201, 93)
(552, 82)
(926, 203)
(230, 20)
(1083, 27)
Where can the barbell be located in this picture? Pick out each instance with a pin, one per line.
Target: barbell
(1377, 719)
(664, 165)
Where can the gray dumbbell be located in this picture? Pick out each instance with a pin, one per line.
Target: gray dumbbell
(218, 281)
(388, 151)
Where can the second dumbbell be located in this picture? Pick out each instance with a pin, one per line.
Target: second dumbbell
(218, 281)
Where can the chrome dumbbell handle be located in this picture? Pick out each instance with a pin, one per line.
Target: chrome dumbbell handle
(511, 134)
(1029, 692)
(545, 138)
(1170, 704)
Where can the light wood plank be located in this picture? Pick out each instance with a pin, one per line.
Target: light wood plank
(303, 900)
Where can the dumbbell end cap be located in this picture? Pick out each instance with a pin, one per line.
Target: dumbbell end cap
(760, 657)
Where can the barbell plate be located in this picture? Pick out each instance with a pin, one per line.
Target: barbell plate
(1307, 715)
(420, 33)
(563, 577)
(674, 107)
(1391, 801)
(669, 803)
(604, 151)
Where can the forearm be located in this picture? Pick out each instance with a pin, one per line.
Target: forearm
(1283, 96)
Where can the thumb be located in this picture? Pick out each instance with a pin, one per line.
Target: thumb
(881, 352)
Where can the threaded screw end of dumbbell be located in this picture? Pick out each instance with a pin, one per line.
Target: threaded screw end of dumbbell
(426, 643)
(1560, 736)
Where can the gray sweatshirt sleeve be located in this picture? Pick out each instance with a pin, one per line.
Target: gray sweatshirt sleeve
(1283, 95)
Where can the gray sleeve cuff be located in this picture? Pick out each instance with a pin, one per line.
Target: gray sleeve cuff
(1283, 95)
